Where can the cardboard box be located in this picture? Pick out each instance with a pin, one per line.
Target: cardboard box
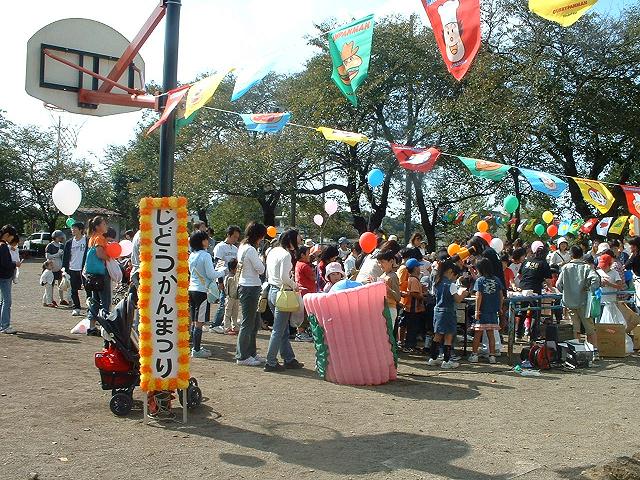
(611, 340)
(631, 317)
(635, 333)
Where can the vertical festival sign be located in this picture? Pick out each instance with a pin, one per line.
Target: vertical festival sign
(456, 26)
(163, 299)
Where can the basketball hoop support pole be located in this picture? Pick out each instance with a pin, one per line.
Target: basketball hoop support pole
(169, 82)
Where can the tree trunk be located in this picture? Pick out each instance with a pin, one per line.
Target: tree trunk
(428, 225)
(269, 203)
(202, 216)
(512, 230)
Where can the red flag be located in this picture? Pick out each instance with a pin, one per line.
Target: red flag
(456, 25)
(633, 199)
(588, 225)
(173, 99)
(416, 158)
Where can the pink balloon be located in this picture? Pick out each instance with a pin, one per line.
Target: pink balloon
(355, 332)
(331, 207)
(318, 220)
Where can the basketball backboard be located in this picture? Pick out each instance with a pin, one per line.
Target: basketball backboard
(90, 45)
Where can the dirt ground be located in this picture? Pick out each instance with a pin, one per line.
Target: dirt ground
(477, 422)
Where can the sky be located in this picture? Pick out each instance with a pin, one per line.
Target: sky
(213, 33)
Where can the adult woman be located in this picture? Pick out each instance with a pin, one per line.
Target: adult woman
(415, 241)
(562, 254)
(95, 271)
(250, 267)
(279, 268)
(201, 274)
(370, 270)
(7, 270)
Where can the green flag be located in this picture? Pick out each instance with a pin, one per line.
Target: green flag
(350, 49)
(482, 168)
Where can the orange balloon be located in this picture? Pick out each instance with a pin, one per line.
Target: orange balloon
(368, 242)
(453, 249)
(272, 232)
(483, 226)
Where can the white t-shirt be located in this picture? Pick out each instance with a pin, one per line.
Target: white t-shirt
(225, 251)
(279, 268)
(343, 254)
(613, 276)
(370, 269)
(252, 266)
(560, 258)
(515, 268)
(46, 278)
(77, 253)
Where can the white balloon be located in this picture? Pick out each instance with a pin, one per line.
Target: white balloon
(127, 247)
(66, 196)
(497, 244)
(318, 220)
(331, 207)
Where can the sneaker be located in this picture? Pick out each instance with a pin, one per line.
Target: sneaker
(260, 359)
(230, 331)
(93, 332)
(450, 364)
(596, 356)
(64, 303)
(473, 358)
(294, 365)
(303, 337)
(434, 362)
(9, 331)
(492, 359)
(274, 368)
(455, 358)
(76, 313)
(219, 329)
(202, 353)
(249, 362)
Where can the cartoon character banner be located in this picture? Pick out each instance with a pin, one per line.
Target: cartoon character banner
(202, 91)
(350, 138)
(265, 122)
(595, 193)
(350, 49)
(249, 77)
(415, 158)
(484, 169)
(163, 298)
(602, 228)
(632, 195)
(618, 225)
(588, 225)
(564, 12)
(544, 182)
(456, 25)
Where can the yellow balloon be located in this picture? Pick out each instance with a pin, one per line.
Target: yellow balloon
(547, 217)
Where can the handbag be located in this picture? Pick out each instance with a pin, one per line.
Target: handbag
(93, 282)
(287, 300)
(213, 292)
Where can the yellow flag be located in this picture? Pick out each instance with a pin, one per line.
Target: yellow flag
(532, 223)
(617, 226)
(349, 138)
(201, 91)
(564, 12)
(595, 193)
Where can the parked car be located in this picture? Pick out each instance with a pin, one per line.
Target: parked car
(36, 243)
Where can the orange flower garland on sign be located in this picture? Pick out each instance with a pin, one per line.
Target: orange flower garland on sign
(162, 297)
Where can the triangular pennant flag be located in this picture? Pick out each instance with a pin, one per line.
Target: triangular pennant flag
(588, 225)
(602, 228)
(595, 193)
(350, 49)
(564, 12)
(522, 225)
(202, 91)
(249, 77)
(456, 26)
(471, 218)
(173, 99)
(618, 225)
(632, 195)
(482, 168)
(575, 226)
(459, 218)
(544, 182)
(415, 158)
(349, 138)
(531, 225)
(265, 122)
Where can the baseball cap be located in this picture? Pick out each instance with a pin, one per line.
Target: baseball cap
(413, 263)
(342, 240)
(603, 247)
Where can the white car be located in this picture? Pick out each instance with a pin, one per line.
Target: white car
(37, 242)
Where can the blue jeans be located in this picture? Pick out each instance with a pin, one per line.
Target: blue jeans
(5, 302)
(99, 301)
(279, 341)
(220, 313)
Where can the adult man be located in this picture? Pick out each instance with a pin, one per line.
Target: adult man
(55, 252)
(578, 278)
(343, 248)
(224, 252)
(74, 256)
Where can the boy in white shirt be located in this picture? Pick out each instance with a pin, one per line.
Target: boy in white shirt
(46, 280)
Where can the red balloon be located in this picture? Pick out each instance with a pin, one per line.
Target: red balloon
(368, 242)
(552, 230)
(113, 249)
(486, 236)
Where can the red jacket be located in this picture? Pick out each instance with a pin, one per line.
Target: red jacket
(305, 278)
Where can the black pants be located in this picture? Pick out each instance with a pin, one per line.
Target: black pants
(76, 286)
(414, 322)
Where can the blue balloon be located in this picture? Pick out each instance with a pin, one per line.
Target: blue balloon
(375, 177)
(345, 284)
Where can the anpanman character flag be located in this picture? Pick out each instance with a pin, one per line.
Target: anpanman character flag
(588, 225)
(595, 193)
(618, 226)
(602, 228)
(632, 195)
(415, 158)
(202, 91)
(564, 12)
(484, 169)
(350, 138)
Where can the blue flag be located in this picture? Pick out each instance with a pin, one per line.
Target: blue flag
(266, 122)
(544, 182)
(249, 78)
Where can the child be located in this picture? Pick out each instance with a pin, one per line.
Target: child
(413, 301)
(509, 276)
(46, 280)
(444, 316)
(387, 262)
(306, 280)
(334, 274)
(15, 257)
(400, 329)
(489, 299)
(231, 300)
(65, 285)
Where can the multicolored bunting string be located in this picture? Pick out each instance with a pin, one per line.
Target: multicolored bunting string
(595, 193)
(618, 225)
(350, 49)
(174, 97)
(350, 138)
(416, 158)
(484, 169)
(456, 26)
(632, 194)
(249, 78)
(602, 228)
(544, 182)
(589, 225)
(564, 12)
(202, 91)
(265, 122)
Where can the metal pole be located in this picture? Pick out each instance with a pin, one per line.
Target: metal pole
(169, 82)
(407, 208)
